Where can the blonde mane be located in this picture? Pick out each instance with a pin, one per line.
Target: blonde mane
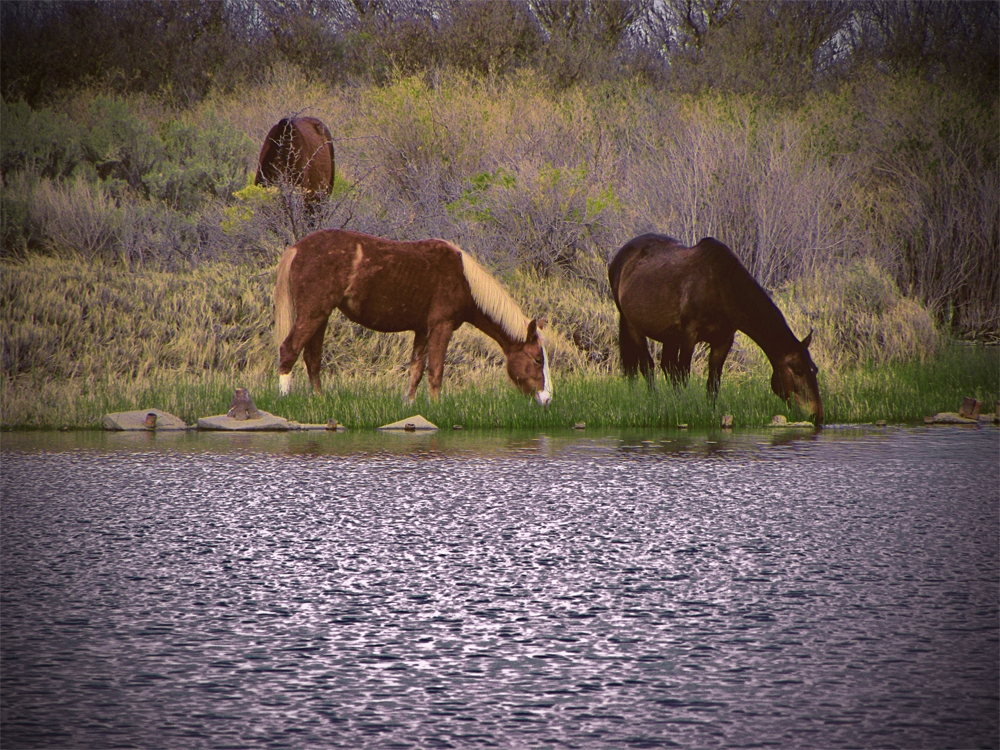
(491, 298)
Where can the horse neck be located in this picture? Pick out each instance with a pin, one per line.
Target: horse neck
(759, 318)
(494, 330)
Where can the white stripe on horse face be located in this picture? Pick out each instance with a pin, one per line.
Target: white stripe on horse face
(544, 396)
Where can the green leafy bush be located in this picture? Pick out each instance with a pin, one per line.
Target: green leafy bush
(16, 234)
(43, 142)
(200, 162)
(122, 148)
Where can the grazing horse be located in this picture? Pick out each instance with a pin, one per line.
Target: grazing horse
(682, 295)
(299, 150)
(430, 287)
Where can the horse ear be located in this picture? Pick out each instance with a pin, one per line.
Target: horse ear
(541, 323)
(533, 327)
(808, 339)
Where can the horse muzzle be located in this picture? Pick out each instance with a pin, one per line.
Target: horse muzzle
(813, 408)
(544, 398)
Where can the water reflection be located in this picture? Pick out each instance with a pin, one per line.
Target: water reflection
(432, 443)
(578, 589)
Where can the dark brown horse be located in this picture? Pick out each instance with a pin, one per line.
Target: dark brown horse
(299, 150)
(429, 287)
(682, 295)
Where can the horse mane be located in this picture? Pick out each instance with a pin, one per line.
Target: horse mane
(761, 319)
(493, 300)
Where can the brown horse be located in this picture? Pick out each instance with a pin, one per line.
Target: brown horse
(429, 287)
(299, 150)
(682, 295)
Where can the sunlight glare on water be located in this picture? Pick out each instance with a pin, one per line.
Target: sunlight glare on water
(837, 590)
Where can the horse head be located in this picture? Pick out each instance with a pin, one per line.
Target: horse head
(528, 365)
(794, 380)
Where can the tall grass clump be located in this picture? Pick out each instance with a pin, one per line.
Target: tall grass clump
(66, 318)
(897, 392)
(859, 316)
(908, 391)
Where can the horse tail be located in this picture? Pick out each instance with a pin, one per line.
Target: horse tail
(626, 346)
(633, 351)
(284, 305)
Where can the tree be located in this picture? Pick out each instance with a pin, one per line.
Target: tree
(957, 40)
(772, 47)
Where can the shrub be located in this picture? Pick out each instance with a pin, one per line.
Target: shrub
(122, 148)
(488, 39)
(201, 161)
(43, 142)
(77, 216)
(16, 230)
(549, 219)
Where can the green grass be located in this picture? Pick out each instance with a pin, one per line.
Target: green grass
(897, 393)
(82, 339)
(908, 391)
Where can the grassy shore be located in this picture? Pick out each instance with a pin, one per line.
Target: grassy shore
(897, 393)
(82, 339)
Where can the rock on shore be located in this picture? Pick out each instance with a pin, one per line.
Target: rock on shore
(144, 420)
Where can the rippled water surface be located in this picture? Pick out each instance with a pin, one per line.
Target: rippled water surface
(641, 590)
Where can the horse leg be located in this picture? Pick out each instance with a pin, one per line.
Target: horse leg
(646, 366)
(634, 350)
(684, 356)
(418, 360)
(312, 208)
(716, 359)
(312, 354)
(437, 346)
(303, 331)
(670, 362)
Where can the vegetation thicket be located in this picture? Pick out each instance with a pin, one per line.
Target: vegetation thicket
(852, 163)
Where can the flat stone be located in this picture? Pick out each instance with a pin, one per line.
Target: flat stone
(950, 417)
(266, 422)
(410, 424)
(136, 420)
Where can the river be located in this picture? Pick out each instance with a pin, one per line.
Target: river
(579, 589)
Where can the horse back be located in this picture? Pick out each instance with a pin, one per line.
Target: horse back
(298, 148)
(633, 250)
(378, 283)
(315, 147)
(665, 289)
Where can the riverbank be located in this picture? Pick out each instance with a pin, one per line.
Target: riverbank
(482, 398)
